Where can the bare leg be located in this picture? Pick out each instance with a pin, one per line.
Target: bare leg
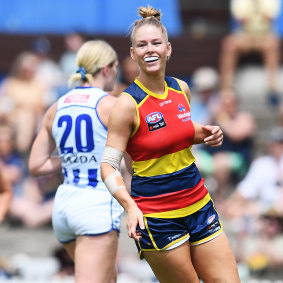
(228, 61)
(173, 266)
(214, 261)
(271, 54)
(95, 258)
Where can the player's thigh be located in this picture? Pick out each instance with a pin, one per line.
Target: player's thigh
(214, 261)
(172, 266)
(95, 258)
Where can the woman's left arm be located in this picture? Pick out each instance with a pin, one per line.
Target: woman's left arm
(41, 161)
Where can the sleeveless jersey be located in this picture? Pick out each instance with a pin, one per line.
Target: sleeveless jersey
(80, 136)
(166, 182)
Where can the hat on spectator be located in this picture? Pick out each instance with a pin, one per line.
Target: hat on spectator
(205, 78)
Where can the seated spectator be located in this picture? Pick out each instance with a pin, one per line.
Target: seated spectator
(12, 164)
(261, 190)
(204, 103)
(262, 250)
(255, 32)
(232, 159)
(32, 207)
(22, 100)
(254, 211)
(204, 94)
(5, 196)
(32, 201)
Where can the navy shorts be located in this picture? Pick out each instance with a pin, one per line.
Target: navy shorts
(165, 233)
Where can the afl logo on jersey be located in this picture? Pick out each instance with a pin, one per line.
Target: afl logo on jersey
(155, 121)
(154, 117)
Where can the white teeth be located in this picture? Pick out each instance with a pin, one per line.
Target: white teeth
(151, 59)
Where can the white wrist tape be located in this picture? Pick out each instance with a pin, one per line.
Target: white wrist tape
(113, 157)
(114, 182)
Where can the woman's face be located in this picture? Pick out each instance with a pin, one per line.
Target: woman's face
(150, 49)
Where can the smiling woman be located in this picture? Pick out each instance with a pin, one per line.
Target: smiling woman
(169, 209)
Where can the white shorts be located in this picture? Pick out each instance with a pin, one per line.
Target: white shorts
(84, 211)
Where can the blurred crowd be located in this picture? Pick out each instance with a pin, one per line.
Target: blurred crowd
(244, 175)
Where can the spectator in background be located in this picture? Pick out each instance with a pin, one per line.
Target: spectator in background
(233, 158)
(254, 32)
(204, 102)
(32, 206)
(22, 100)
(262, 247)
(129, 71)
(48, 71)
(6, 194)
(67, 62)
(261, 190)
(255, 208)
(29, 204)
(12, 164)
(205, 94)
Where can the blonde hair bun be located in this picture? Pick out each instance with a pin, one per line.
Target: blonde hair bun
(149, 12)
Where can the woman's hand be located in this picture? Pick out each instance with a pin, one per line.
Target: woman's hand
(215, 135)
(135, 217)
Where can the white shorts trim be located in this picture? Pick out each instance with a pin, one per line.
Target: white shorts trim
(178, 244)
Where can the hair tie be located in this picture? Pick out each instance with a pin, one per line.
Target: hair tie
(82, 71)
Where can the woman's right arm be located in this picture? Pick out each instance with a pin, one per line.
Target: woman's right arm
(120, 126)
(41, 161)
